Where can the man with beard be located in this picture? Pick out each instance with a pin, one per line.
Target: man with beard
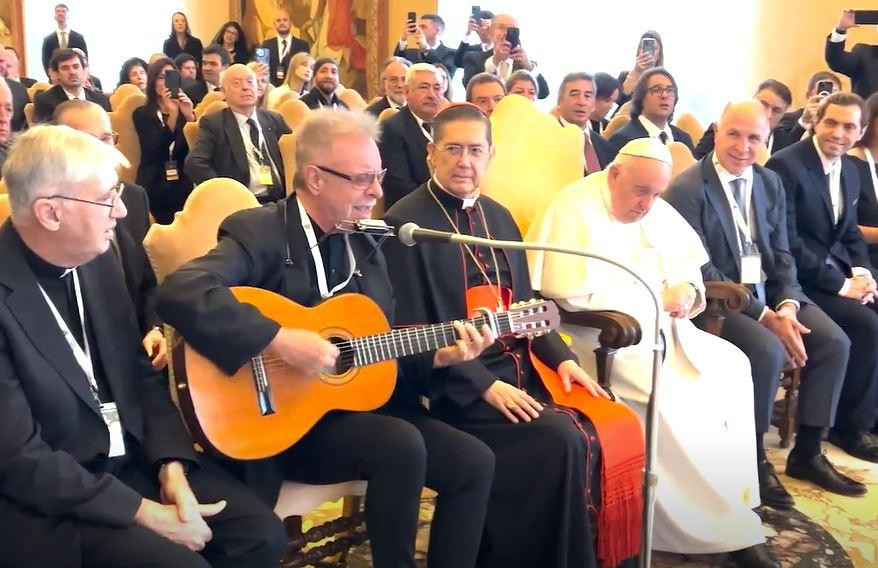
(325, 85)
(240, 142)
(393, 78)
(406, 134)
(282, 47)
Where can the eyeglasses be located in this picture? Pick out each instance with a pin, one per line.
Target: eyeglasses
(658, 91)
(359, 181)
(111, 204)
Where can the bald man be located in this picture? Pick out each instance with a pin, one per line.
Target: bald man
(241, 141)
(781, 325)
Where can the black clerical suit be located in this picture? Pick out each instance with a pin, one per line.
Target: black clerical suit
(699, 196)
(45, 102)
(635, 129)
(779, 138)
(63, 501)
(403, 147)
(267, 248)
(547, 476)
(826, 251)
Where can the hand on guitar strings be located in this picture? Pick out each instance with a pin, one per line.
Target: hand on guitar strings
(304, 350)
(470, 345)
(512, 402)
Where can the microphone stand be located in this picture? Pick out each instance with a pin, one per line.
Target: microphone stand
(650, 478)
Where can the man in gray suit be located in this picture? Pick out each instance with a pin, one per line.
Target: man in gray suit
(739, 210)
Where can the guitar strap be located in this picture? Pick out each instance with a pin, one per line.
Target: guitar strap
(325, 292)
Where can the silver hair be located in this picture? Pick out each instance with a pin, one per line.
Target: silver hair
(421, 68)
(49, 159)
(394, 59)
(314, 137)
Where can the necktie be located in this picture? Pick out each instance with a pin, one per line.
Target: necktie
(283, 48)
(254, 133)
(63, 43)
(428, 127)
(663, 136)
(738, 191)
(591, 158)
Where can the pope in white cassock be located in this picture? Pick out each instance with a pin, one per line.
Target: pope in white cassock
(706, 466)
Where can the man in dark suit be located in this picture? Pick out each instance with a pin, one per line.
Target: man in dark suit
(325, 86)
(241, 141)
(652, 107)
(14, 69)
(62, 38)
(128, 242)
(822, 189)
(430, 49)
(776, 98)
(860, 63)
(5, 120)
(405, 135)
(214, 60)
(468, 55)
(283, 46)
(397, 449)
(797, 123)
(70, 69)
(485, 91)
(576, 100)
(502, 59)
(607, 90)
(739, 210)
(95, 453)
(16, 90)
(393, 79)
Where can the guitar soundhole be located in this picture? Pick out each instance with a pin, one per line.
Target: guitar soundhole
(345, 361)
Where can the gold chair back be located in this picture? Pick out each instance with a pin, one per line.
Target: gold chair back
(615, 124)
(293, 112)
(287, 146)
(36, 89)
(29, 114)
(353, 99)
(681, 156)
(690, 125)
(123, 123)
(210, 97)
(122, 92)
(190, 133)
(4, 207)
(214, 107)
(386, 114)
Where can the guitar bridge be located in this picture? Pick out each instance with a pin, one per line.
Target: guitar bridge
(263, 389)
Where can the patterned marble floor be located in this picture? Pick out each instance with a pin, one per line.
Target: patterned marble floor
(852, 522)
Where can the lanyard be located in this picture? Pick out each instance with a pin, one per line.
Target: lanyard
(871, 161)
(318, 258)
(173, 142)
(82, 355)
(743, 226)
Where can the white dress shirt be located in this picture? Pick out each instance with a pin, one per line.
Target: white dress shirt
(653, 131)
(253, 154)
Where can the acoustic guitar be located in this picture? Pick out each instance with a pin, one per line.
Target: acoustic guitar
(267, 406)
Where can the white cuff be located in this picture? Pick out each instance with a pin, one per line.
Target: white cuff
(762, 315)
(861, 271)
(789, 301)
(845, 287)
(836, 37)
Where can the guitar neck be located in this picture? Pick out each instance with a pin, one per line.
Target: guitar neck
(413, 340)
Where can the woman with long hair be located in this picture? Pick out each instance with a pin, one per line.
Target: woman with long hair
(231, 37)
(181, 39)
(298, 79)
(163, 149)
(133, 71)
(643, 61)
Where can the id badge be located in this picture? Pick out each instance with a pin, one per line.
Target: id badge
(265, 175)
(117, 440)
(751, 265)
(171, 171)
(279, 73)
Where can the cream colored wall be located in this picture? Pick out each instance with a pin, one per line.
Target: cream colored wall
(789, 37)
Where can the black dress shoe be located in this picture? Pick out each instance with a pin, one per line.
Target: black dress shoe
(754, 557)
(819, 471)
(863, 446)
(771, 490)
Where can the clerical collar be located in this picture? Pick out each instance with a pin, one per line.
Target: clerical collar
(450, 200)
(828, 165)
(43, 268)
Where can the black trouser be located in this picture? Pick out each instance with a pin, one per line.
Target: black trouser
(858, 405)
(245, 533)
(398, 457)
(827, 348)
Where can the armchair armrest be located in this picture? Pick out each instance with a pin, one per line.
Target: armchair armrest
(617, 330)
(722, 298)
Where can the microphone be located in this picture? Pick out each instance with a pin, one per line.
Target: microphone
(375, 227)
(411, 234)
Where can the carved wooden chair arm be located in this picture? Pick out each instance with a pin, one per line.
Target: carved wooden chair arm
(723, 298)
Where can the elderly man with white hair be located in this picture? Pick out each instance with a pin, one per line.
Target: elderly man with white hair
(706, 454)
(97, 467)
(241, 141)
(406, 134)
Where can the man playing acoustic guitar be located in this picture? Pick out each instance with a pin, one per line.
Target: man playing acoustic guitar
(292, 248)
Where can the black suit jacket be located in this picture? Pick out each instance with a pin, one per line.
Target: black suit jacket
(470, 58)
(252, 251)
(860, 64)
(193, 47)
(790, 123)
(219, 150)
(379, 106)
(27, 82)
(50, 44)
(50, 421)
(403, 147)
(139, 276)
(698, 195)
(474, 63)
(814, 237)
(867, 207)
(705, 145)
(19, 99)
(196, 91)
(45, 102)
(442, 54)
(634, 130)
(314, 100)
(274, 62)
